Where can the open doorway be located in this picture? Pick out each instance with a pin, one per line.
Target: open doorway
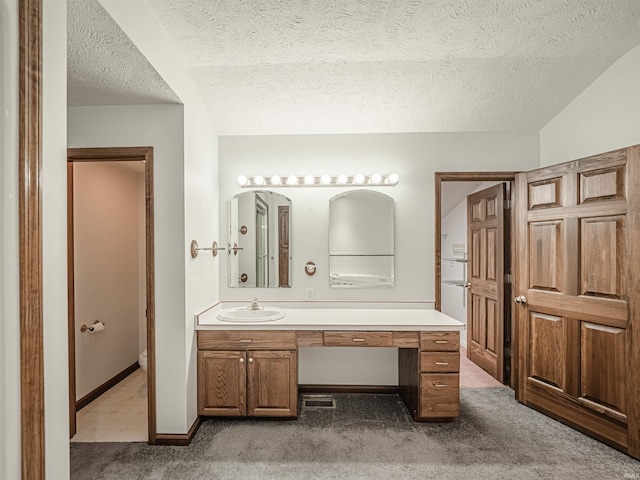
(456, 285)
(118, 288)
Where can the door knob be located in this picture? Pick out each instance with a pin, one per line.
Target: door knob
(467, 285)
(520, 299)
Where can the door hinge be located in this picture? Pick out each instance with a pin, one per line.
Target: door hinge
(507, 278)
(507, 204)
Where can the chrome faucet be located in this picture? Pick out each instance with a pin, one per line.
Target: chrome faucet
(254, 304)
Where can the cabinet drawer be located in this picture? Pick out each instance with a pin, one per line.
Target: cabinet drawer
(246, 339)
(440, 341)
(446, 362)
(358, 339)
(439, 395)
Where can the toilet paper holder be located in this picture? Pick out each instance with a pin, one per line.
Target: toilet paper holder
(91, 327)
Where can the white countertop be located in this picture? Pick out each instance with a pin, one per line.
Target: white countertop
(340, 319)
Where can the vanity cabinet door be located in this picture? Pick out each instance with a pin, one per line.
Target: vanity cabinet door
(272, 383)
(222, 377)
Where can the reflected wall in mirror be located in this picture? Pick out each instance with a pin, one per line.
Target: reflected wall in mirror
(361, 240)
(259, 225)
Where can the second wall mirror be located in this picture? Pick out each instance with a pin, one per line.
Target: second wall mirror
(259, 236)
(361, 240)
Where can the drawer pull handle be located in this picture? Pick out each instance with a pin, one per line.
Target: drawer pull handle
(246, 341)
(442, 341)
(358, 339)
(440, 385)
(441, 363)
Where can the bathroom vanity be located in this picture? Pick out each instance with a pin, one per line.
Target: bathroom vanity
(251, 368)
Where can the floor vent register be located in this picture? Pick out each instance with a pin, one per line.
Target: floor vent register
(318, 402)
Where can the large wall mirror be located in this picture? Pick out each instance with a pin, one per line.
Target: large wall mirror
(259, 236)
(361, 240)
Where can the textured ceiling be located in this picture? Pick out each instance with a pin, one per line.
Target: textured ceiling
(103, 66)
(349, 66)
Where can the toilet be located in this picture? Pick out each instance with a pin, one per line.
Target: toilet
(142, 360)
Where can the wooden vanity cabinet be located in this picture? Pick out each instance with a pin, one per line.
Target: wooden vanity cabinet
(272, 383)
(439, 388)
(429, 376)
(236, 380)
(222, 380)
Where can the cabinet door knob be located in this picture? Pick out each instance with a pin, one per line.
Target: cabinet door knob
(241, 360)
(250, 359)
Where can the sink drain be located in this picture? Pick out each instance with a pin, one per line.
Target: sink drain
(318, 402)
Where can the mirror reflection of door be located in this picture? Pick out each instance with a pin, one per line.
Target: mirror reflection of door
(262, 243)
(283, 245)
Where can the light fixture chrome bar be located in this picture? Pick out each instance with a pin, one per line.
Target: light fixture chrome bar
(341, 180)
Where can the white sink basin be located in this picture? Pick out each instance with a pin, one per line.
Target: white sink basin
(245, 315)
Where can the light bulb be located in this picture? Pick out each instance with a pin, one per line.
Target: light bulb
(358, 179)
(259, 180)
(325, 179)
(276, 180)
(242, 180)
(292, 180)
(342, 179)
(393, 178)
(308, 179)
(375, 178)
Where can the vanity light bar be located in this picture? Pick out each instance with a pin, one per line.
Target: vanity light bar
(359, 179)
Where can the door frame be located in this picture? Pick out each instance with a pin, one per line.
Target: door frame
(441, 177)
(32, 411)
(117, 154)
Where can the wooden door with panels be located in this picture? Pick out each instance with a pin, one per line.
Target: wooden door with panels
(577, 291)
(487, 226)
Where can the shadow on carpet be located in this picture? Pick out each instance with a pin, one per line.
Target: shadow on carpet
(370, 437)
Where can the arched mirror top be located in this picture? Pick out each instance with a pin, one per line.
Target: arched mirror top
(361, 240)
(361, 223)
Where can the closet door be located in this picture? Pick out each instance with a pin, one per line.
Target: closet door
(486, 277)
(577, 259)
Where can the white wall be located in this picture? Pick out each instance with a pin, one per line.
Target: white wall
(9, 303)
(602, 118)
(200, 207)
(54, 238)
(106, 241)
(159, 126)
(415, 157)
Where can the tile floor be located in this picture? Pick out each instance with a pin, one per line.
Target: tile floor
(118, 415)
(472, 376)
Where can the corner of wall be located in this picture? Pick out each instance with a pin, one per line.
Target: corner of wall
(54, 237)
(602, 118)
